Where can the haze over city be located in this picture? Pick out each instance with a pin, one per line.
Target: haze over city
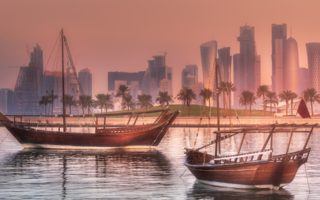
(122, 35)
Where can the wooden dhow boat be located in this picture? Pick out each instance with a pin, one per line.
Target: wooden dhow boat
(31, 135)
(130, 135)
(248, 170)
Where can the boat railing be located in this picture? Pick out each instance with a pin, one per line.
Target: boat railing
(244, 157)
(297, 155)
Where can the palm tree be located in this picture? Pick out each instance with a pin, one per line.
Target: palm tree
(104, 101)
(311, 95)
(272, 99)
(292, 97)
(145, 101)
(206, 95)
(85, 102)
(247, 98)
(127, 102)
(122, 92)
(226, 88)
(44, 101)
(163, 98)
(286, 96)
(186, 95)
(262, 91)
(69, 101)
(51, 97)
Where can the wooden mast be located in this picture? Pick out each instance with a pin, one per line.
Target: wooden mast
(63, 83)
(218, 111)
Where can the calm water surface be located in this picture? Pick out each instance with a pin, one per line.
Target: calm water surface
(136, 174)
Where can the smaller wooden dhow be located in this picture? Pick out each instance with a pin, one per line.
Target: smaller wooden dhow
(249, 170)
(33, 135)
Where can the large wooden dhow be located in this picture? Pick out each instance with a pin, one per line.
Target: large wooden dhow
(29, 135)
(259, 169)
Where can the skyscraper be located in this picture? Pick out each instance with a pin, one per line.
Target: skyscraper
(279, 37)
(248, 66)
(158, 75)
(29, 85)
(189, 76)
(6, 101)
(313, 51)
(237, 77)
(85, 79)
(291, 65)
(208, 52)
(225, 63)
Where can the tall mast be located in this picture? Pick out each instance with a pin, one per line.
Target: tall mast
(63, 83)
(218, 109)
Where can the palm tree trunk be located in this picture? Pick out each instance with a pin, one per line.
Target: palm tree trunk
(311, 107)
(287, 105)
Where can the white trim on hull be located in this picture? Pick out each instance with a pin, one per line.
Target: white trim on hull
(52, 146)
(239, 186)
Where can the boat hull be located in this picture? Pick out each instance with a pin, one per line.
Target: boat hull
(264, 174)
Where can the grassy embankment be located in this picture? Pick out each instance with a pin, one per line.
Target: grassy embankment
(200, 110)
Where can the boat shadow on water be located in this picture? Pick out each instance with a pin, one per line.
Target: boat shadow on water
(202, 191)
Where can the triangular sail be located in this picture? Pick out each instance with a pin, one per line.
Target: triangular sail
(303, 109)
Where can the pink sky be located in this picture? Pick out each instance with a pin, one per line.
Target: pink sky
(108, 35)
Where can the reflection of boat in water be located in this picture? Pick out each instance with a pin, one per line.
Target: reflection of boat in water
(102, 172)
(130, 135)
(202, 191)
(249, 170)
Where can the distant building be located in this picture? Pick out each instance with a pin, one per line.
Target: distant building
(249, 66)
(208, 52)
(189, 76)
(304, 79)
(158, 76)
(85, 79)
(131, 79)
(291, 66)
(26, 92)
(313, 52)
(237, 77)
(29, 89)
(279, 37)
(6, 101)
(225, 64)
(166, 83)
(53, 85)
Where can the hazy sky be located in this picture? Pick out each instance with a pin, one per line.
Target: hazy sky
(108, 35)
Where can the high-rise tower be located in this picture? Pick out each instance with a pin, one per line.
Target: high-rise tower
(208, 52)
(291, 65)
(313, 51)
(279, 37)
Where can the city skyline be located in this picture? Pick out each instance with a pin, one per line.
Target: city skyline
(98, 42)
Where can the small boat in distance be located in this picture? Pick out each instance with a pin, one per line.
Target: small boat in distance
(30, 135)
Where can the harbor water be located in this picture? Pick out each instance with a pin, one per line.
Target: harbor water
(139, 173)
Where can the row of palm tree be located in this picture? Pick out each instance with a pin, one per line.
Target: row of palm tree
(272, 99)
